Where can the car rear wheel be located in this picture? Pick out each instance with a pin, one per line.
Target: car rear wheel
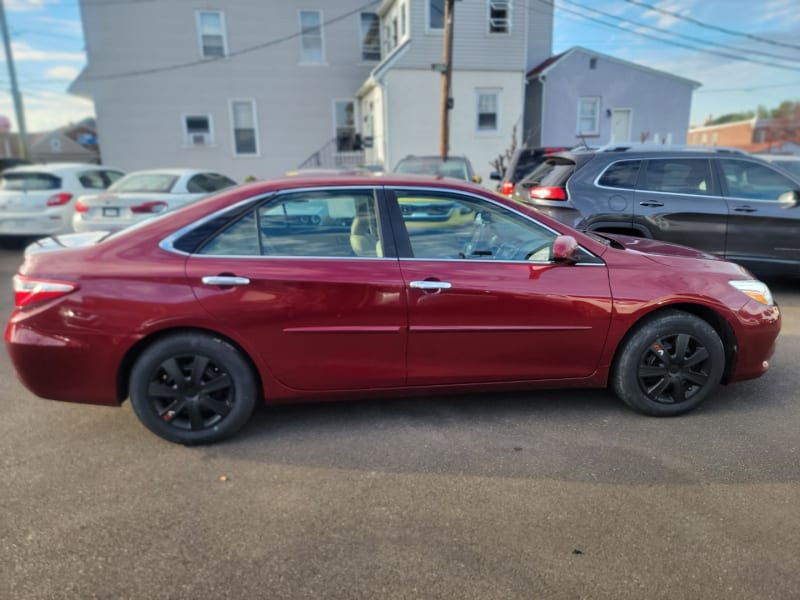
(192, 389)
(669, 365)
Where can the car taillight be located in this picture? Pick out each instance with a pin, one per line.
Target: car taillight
(59, 199)
(28, 290)
(548, 193)
(506, 188)
(80, 207)
(149, 207)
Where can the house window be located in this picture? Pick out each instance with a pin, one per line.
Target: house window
(211, 34)
(387, 39)
(436, 14)
(312, 47)
(245, 133)
(403, 18)
(592, 63)
(394, 33)
(589, 116)
(488, 117)
(714, 138)
(345, 124)
(370, 37)
(197, 130)
(499, 16)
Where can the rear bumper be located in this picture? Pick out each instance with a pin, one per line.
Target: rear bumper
(47, 222)
(756, 330)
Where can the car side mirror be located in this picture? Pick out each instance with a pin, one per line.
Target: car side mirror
(494, 175)
(789, 199)
(565, 250)
(477, 178)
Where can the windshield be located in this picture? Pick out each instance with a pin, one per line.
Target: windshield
(145, 182)
(452, 167)
(29, 181)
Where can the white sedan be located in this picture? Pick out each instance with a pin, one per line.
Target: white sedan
(142, 194)
(39, 200)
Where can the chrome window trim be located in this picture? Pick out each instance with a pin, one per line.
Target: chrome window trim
(540, 263)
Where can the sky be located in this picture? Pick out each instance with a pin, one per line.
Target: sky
(48, 50)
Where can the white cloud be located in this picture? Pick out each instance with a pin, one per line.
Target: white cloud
(62, 72)
(46, 110)
(25, 52)
(61, 26)
(27, 5)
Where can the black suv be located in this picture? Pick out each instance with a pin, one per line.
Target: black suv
(723, 201)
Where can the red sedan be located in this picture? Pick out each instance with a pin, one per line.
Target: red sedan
(310, 289)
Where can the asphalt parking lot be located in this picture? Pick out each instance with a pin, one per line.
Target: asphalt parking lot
(539, 495)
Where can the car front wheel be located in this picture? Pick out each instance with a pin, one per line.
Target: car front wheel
(192, 388)
(669, 365)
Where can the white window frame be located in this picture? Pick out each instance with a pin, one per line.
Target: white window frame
(596, 130)
(428, 27)
(323, 55)
(252, 101)
(403, 20)
(187, 137)
(363, 60)
(498, 93)
(498, 4)
(199, 29)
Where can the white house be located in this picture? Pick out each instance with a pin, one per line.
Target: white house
(582, 95)
(259, 87)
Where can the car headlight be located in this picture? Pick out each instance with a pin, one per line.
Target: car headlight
(755, 289)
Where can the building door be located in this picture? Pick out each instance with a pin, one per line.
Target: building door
(620, 125)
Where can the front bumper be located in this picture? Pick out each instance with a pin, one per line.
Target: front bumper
(756, 329)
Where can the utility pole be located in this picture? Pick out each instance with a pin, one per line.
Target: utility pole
(447, 58)
(12, 76)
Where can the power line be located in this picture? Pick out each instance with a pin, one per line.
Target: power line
(673, 42)
(710, 26)
(195, 63)
(754, 88)
(676, 34)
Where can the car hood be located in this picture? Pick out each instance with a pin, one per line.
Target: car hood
(657, 247)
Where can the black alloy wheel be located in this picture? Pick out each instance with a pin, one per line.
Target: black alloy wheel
(674, 368)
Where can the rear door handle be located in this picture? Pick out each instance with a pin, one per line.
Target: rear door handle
(430, 285)
(225, 280)
(652, 203)
(745, 209)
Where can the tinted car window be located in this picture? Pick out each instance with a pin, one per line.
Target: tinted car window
(312, 224)
(678, 176)
(208, 182)
(29, 181)
(621, 175)
(746, 179)
(93, 180)
(552, 172)
(446, 226)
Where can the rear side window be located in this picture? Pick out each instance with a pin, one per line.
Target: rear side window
(29, 181)
(553, 172)
(746, 179)
(678, 176)
(93, 180)
(621, 175)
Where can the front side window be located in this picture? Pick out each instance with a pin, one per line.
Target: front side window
(211, 31)
(318, 224)
(678, 176)
(312, 49)
(445, 226)
(436, 14)
(499, 16)
(370, 37)
(751, 180)
(197, 130)
(589, 116)
(622, 174)
(245, 134)
(488, 117)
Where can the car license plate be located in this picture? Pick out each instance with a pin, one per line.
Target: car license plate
(112, 211)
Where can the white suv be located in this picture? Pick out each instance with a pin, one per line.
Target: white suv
(39, 200)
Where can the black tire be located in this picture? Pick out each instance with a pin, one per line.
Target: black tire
(192, 388)
(669, 365)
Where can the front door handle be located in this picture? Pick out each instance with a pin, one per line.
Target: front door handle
(225, 280)
(430, 285)
(745, 209)
(652, 203)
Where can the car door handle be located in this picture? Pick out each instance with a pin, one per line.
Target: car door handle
(745, 209)
(651, 203)
(225, 280)
(430, 285)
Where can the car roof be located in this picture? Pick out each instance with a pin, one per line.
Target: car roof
(176, 172)
(373, 180)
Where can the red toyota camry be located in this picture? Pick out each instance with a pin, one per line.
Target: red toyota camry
(333, 288)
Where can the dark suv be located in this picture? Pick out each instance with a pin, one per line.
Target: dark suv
(723, 201)
(522, 163)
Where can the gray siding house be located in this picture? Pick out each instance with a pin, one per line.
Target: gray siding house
(582, 95)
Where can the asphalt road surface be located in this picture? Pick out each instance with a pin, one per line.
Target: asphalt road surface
(535, 495)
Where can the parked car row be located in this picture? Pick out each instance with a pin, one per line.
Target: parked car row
(722, 201)
(53, 199)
